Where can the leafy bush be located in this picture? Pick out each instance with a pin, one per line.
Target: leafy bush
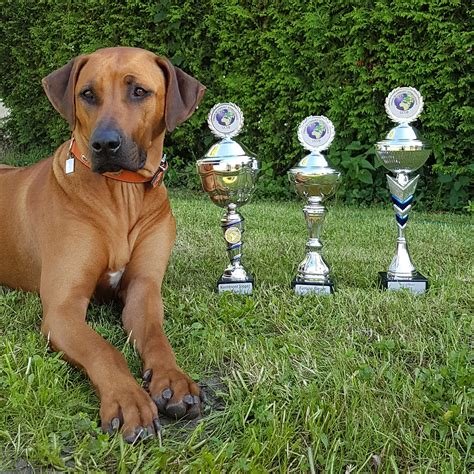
(280, 61)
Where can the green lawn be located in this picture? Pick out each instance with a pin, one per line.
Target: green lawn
(344, 383)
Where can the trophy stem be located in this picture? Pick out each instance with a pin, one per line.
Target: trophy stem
(402, 190)
(232, 224)
(313, 268)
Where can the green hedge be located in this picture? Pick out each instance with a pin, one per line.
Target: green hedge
(280, 61)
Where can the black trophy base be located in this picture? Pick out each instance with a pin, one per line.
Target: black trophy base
(238, 287)
(418, 284)
(312, 287)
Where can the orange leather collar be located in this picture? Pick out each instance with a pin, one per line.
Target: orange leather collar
(123, 175)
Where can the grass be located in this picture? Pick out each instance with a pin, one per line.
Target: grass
(358, 381)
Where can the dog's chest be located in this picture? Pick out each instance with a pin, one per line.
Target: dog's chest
(115, 277)
(109, 285)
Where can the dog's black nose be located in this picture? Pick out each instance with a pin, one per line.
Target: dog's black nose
(105, 140)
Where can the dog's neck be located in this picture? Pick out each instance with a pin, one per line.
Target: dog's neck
(154, 178)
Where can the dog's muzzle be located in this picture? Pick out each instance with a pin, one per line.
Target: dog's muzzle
(111, 152)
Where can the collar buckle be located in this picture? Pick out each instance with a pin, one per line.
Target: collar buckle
(160, 173)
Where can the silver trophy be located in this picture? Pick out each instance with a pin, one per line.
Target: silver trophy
(403, 152)
(315, 181)
(228, 172)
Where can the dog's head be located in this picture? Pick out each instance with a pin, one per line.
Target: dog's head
(119, 102)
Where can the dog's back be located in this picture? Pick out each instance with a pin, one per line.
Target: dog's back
(20, 191)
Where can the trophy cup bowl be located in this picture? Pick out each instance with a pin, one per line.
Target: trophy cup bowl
(403, 152)
(314, 180)
(228, 173)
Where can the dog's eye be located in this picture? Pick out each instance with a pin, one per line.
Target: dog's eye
(139, 92)
(88, 95)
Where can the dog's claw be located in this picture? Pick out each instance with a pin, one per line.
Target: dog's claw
(147, 375)
(139, 434)
(157, 425)
(194, 406)
(188, 399)
(111, 427)
(144, 433)
(115, 424)
(194, 403)
(151, 431)
(162, 400)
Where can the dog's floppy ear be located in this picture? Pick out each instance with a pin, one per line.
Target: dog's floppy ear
(59, 87)
(183, 94)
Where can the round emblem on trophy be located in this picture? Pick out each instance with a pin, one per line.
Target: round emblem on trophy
(404, 104)
(316, 133)
(232, 235)
(225, 120)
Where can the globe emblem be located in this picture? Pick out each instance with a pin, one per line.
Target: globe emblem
(404, 101)
(316, 130)
(225, 117)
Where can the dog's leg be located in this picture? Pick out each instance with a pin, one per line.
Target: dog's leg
(65, 302)
(172, 390)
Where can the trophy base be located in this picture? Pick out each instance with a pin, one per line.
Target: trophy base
(244, 287)
(418, 284)
(312, 287)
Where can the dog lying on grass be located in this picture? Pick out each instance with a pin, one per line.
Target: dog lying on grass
(95, 220)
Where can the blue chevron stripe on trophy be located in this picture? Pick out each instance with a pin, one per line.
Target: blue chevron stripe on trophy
(401, 220)
(232, 224)
(234, 251)
(402, 208)
(402, 198)
(234, 246)
(402, 205)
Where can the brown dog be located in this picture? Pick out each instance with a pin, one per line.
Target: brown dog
(72, 228)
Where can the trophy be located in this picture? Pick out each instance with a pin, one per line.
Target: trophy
(314, 180)
(228, 172)
(403, 152)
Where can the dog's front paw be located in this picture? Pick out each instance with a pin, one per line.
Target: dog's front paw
(174, 393)
(129, 407)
